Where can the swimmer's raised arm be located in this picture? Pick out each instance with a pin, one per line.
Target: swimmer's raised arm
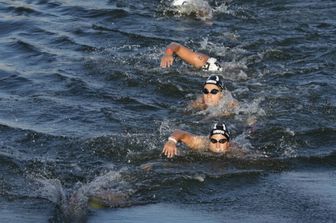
(194, 58)
(187, 138)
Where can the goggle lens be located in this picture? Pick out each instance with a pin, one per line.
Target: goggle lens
(221, 141)
(213, 91)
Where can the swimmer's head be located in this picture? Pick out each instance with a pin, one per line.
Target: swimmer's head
(219, 138)
(212, 90)
(216, 80)
(212, 65)
(220, 128)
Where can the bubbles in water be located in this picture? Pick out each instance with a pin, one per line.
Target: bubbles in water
(165, 128)
(252, 108)
(243, 141)
(288, 150)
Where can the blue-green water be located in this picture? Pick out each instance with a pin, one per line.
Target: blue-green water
(85, 110)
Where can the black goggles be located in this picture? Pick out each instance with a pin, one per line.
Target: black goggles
(213, 91)
(221, 141)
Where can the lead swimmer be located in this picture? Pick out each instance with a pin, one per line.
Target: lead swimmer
(218, 141)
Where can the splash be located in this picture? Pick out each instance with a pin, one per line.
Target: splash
(109, 189)
(233, 60)
(166, 127)
(50, 189)
(200, 9)
(247, 113)
(250, 111)
(288, 149)
(195, 8)
(227, 106)
(106, 190)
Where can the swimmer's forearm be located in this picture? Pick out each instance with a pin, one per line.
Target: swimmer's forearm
(188, 55)
(184, 137)
(169, 149)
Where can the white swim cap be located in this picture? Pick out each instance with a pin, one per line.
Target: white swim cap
(220, 128)
(180, 2)
(212, 65)
(216, 80)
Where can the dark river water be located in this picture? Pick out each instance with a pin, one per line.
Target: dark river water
(85, 110)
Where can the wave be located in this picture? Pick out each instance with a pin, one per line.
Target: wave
(10, 26)
(146, 36)
(32, 49)
(105, 190)
(145, 181)
(119, 188)
(23, 10)
(88, 12)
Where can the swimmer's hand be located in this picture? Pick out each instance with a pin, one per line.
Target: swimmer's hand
(166, 61)
(170, 149)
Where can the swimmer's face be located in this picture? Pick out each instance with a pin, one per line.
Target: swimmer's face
(212, 94)
(219, 143)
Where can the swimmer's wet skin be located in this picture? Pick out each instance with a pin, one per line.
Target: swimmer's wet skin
(213, 95)
(217, 142)
(212, 89)
(198, 60)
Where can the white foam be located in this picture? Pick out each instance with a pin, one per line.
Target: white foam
(110, 185)
(200, 8)
(243, 142)
(234, 63)
(224, 108)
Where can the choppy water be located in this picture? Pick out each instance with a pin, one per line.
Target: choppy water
(85, 110)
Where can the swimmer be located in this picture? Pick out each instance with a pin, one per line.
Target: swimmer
(217, 142)
(213, 95)
(198, 60)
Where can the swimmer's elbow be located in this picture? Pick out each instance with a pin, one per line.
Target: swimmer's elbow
(174, 46)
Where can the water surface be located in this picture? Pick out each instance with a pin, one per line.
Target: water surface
(85, 109)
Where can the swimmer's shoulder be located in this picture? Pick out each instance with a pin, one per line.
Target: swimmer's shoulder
(199, 143)
(198, 104)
